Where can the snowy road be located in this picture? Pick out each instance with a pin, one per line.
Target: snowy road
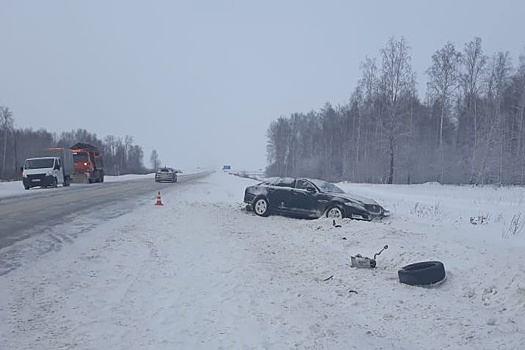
(23, 217)
(40, 212)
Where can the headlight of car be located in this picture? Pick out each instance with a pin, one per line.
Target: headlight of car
(355, 205)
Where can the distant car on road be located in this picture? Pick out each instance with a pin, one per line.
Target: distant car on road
(166, 174)
(309, 198)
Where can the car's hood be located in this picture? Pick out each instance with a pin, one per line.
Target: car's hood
(356, 198)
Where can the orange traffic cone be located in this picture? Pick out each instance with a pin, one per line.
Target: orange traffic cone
(159, 200)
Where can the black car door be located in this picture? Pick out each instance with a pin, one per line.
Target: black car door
(304, 198)
(279, 195)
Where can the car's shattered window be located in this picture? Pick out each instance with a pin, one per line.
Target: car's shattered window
(303, 184)
(327, 186)
(285, 182)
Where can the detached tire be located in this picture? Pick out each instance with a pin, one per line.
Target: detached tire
(422, 273)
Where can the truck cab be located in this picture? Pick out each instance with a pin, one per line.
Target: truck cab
(88, 163)
(42, 172)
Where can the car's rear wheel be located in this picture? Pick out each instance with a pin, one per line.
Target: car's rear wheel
(335, 212)
(260, 206)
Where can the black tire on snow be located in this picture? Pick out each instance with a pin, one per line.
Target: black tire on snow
(260, 206)
(422, 273)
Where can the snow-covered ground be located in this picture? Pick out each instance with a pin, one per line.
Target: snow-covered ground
(200, 273)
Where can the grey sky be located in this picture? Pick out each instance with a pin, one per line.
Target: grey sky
(200, 81)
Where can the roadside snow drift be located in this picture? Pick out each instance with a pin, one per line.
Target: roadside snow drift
(201, 273)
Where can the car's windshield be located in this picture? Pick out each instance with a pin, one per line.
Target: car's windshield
(327, 186)
(80, 157)
(39, 163)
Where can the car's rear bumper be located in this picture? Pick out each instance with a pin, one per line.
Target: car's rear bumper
(166, 178)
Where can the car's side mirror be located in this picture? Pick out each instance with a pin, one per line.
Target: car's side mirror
(57, 167)
(310, 189)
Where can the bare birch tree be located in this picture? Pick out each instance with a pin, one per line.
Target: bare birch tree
(397, 84)
(368, 139)
(471, 77)
(443, 81)
(495, 138)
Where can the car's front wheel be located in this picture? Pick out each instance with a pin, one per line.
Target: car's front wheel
(260, 206)
(335, 212)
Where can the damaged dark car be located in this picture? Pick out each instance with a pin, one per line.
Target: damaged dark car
(309, 198)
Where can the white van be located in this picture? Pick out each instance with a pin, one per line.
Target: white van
(43, 172)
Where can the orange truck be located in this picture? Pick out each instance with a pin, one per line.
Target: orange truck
(89, 164)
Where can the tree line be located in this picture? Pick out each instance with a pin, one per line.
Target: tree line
(470, 127)
(121, 155)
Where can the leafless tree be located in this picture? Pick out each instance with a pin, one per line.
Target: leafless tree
(278, 147)
(397, 85)
(109, 141)
(443, 81)
(6, 122)
(473, 68)
(154, 159)
(368, 126)
(495, 138)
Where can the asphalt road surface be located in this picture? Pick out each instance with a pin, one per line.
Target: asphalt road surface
(39, 214)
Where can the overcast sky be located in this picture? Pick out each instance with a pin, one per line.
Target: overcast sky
(200, 81)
